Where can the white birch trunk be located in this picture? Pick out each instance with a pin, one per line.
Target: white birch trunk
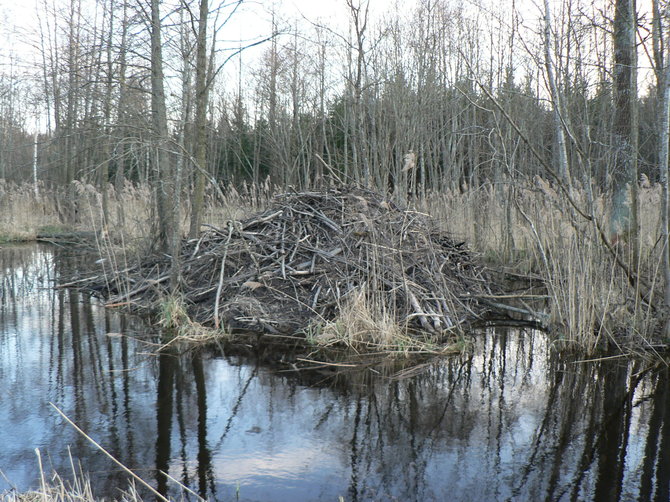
(665, 202)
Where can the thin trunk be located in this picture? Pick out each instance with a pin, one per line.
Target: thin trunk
(107, 148)
(563, 170)
(35, 162)
(186, 95)
(663, 174)
(168, 231)
(201, 93)
(119, 178)
(625, 130)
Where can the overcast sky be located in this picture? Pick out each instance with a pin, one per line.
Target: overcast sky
(19, 18)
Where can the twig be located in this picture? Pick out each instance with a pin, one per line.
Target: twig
(324, 363)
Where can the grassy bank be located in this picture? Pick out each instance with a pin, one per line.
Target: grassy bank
(55, 488)
(26, 213)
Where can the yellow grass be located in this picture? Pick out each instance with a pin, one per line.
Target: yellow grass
(25, 213)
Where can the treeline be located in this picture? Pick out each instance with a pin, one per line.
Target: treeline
(436, 96)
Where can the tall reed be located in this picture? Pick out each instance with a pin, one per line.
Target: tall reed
(592, 301)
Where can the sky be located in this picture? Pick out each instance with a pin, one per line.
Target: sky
(19, 18)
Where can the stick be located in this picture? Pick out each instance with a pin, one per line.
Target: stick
(220, 286)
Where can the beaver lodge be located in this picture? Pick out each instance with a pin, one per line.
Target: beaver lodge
(309, 258)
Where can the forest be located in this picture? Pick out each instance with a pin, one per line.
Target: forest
(536, 132)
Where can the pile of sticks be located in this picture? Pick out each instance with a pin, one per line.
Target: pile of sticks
(300, 261)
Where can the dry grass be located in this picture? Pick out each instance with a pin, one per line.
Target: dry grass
(591, 300)
(24, 213)
(54, 488)
(363, 322)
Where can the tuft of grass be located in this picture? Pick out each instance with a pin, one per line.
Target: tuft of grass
(181, 329)
(173, 313)
(362, 321)
(365, 324)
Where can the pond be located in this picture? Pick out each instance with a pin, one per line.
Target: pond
(513, 420)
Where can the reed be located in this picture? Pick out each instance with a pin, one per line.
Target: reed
(26, 212)
(530, 228)
(23, 212)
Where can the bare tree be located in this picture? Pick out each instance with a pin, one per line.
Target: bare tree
(168, 230)
(562, 160)
(663, 81)
(359, 12)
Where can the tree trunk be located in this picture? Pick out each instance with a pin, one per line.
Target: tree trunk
(563, 170)
(625, 129)
(664, 95)
(201, 93)
(165, 207)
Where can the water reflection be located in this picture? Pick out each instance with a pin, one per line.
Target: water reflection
(514, 421)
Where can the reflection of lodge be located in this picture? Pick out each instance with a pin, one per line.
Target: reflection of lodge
(516, 420)
(532, 424)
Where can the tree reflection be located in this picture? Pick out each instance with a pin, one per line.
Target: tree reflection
(515, 419)
(205, 475)
(167, 363)
(655, 477)
(533, 424)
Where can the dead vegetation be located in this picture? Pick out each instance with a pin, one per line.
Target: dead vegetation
(308, 262)
(590, 304)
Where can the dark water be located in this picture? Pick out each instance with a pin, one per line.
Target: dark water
(515, 421)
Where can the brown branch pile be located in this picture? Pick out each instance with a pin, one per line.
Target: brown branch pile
(303, 259)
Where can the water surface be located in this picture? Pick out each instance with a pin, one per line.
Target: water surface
(514, 420)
